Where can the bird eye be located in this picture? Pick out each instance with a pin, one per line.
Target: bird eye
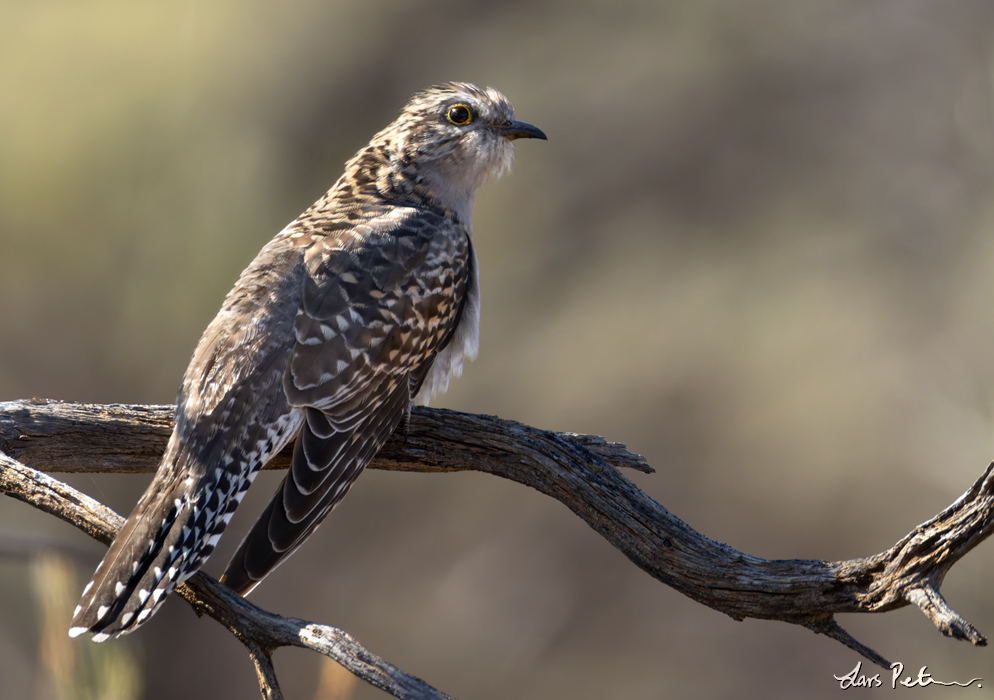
(459, 115)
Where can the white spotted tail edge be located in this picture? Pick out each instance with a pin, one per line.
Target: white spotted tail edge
(165, 540)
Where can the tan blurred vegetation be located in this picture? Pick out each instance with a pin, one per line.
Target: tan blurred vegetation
(756, 248)
(75, 671)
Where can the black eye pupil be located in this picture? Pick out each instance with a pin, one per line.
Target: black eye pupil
(459, 115)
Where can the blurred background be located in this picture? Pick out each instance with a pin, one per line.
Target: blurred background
(757, 248)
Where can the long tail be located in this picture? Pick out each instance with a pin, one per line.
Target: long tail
(165, 540)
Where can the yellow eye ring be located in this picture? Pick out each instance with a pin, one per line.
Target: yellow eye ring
(460, 115)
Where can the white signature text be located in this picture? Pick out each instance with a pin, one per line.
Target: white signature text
(857, 679)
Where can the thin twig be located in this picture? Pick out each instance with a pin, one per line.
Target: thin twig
(262, 659)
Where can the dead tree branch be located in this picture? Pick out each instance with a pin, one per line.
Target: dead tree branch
(580, 471)
(260, 631)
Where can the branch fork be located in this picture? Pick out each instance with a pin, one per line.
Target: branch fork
(581, 471)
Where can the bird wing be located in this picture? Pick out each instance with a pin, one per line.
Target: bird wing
(379, 303)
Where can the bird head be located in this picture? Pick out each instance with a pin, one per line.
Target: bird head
(452, 137)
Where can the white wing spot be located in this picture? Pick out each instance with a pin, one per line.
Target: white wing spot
(143, 595)
(101, 611)
(118, 588)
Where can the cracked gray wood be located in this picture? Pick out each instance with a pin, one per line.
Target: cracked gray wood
(581, 472)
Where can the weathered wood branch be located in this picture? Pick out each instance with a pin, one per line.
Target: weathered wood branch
(260, 631)
(581, 472)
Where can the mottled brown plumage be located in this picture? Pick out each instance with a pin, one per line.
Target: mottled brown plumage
(366, 299)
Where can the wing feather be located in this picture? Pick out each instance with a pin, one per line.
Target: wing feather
(376, 308)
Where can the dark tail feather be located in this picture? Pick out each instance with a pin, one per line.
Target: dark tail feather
(165, 540)
(257, 549)
(133, 577)
(171, 532)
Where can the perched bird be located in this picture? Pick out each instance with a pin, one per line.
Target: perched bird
(368, 300)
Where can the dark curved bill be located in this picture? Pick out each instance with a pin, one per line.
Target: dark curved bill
(521, 130)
